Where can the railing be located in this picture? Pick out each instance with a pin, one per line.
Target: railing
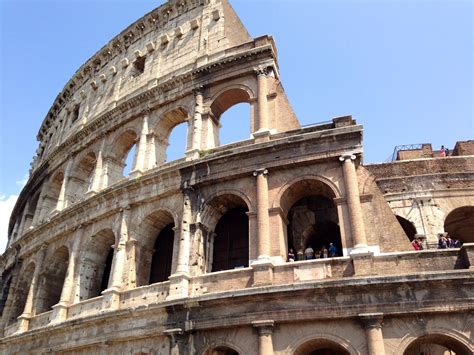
(149, 294)
(403, 147)
(40, 320)
(85, 308)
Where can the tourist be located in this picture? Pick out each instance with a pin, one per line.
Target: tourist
(291, 255)
(415, 244)
(442, 242)
(442, 152)
(449, 241)
(332, 250)
(323, 254)
(309, 253)
(300, 255)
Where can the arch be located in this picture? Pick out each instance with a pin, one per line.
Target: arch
(311, 344)
(221, 350)
(52, 280)
(52, 196)
(81, 177)
(459, 224)
(162, 130)
(21, 292)
(297, 188)
(218, 345)
(228, 97)
(225, 218)
(408, 227)
(117, 156)
(155, 255)
(96, 264)
(436, 341)
(5, 288)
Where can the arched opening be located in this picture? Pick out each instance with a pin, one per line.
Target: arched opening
(52, 280)
(321, 347)
(459, 224)
(225, 217)
(81, 178)
(51, 202)
(436, 344)
(177, 142)
(30, 211)
(155, 256)
(233, 123)
(5, 289)
(122, 157)
(97, 264)
(408, 227)
(313, 220)
(231, 241)
(172, 138)
(21, 293)
(232, 111)
(221, 350)
(162, 258)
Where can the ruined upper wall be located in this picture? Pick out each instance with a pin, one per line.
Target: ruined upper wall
(178, 36)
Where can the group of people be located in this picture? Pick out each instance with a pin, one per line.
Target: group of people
(310, 254)
(445, 242)
(417, 244)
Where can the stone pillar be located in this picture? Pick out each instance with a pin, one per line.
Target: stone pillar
(262, 214)
(40, 206)
(265, 341)
(96, 184)
(373, 330)
(132, 264)
(112, 293)
(140, 159)
(179, 282)
(60, 309)
(359, 240)
(62, 200)
(193, 153)
(11, 295)
(151, 155)
(24, 318)
(175, 337)
(262, 99)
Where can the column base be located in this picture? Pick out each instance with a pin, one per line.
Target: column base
(91, 193)
(363, 263)
(59, 312)
(262, 271)
(23, 323)
(135, 174)
(262, 135)
(111, 298)
(179, 286)
(192, 154)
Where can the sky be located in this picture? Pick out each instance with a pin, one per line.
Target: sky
(402, 68)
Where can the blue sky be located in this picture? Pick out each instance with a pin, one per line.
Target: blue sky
(403, 69)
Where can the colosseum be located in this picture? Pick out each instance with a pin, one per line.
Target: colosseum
(283, 243)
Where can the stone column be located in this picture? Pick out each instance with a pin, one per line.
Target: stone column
(373, 330)
(262, 99)
(262, 214)
(140, 160)
(175, 337)
(60, 309)
(24, 318)
(179, 282)
(62, 200)
(265, 331)
(112, 293)
(193, 153)
(11, 295)
(151, 155)
(96, 184)
(131, 281)
(359, 240)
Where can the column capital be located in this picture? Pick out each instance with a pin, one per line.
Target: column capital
(198, 90)
(264, 327)
(371, 320)
(258, 172)
(261, 71)
(345, 157)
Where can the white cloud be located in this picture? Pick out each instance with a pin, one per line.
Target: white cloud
(6, 206)
(22, 182)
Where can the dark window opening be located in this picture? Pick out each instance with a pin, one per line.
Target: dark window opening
(408, 227)
(163, 255)
(4, 294)
(231, 244)
(75, 114)
(138, 66)
(108, 267)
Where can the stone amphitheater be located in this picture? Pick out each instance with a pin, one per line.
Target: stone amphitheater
(191, 256)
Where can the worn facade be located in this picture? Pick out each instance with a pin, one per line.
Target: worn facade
(190, 256)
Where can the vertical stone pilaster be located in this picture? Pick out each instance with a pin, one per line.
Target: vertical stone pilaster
(265, 332)
(179, 281)
(140, 159)
(193, 153)
(112, 293)
(373, 329)
(96, 184)
(359, 240)
(62, 199)
(262, 214)
(60, 309)
(132, 263)
(24, 318)
(176, 338)
(262, 99)
(151, 155)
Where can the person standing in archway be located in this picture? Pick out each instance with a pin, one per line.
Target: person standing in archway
(309, 253)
